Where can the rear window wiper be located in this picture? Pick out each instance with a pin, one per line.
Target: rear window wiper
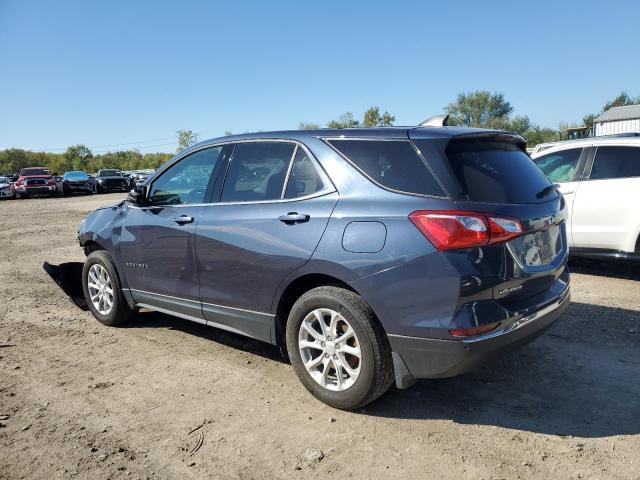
(547, 190)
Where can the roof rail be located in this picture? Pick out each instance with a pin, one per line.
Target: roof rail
(436, 121)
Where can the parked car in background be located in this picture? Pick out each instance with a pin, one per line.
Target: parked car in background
(6, 188)
(77, 182)
(139, 176)
(600, 179)
(59, 183)
(111, 180)
(35, 181)
(366, 254)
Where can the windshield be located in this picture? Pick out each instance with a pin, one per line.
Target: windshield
(109, 173)
(75, 176)
(4, 180)
(34, 171)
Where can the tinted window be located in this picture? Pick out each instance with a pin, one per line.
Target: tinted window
(616, 162)
(257, 171)
(497, 172)
(186, 181)
(109, 173)
(304, 178)
(34, 171)
(75, 175)
(560, 166)
(392, 164)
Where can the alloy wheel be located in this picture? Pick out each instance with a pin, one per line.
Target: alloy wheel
(330, 349)
(100, 289)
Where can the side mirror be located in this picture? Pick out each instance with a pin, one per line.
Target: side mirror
(137, 197)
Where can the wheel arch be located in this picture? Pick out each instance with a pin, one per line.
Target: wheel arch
(293, 291)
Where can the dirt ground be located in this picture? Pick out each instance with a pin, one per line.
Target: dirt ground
(166, 398)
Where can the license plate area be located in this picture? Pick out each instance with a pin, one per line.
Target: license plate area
(538, 248)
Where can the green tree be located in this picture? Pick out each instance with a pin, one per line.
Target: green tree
(186, 138)
(75, 158)
(346, 120)
(373, 118)
(479, 109)
(308, 126)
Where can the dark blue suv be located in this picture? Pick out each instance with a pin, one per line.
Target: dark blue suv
(367, 255)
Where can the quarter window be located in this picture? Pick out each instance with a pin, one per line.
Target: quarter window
(391, 163)
(304, 178)
(560, 166)
(257, 171)
(185, 182)
(616, 162)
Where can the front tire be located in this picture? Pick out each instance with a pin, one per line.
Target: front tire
(338, 348)
(102, 290)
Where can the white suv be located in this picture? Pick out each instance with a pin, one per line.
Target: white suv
(600, 180)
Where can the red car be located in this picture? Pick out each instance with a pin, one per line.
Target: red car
(35, 181)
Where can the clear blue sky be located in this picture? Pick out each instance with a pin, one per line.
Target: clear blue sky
(115, 72)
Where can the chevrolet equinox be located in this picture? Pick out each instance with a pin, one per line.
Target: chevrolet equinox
(367, 255)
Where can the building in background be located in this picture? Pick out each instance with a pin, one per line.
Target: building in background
(617, 120)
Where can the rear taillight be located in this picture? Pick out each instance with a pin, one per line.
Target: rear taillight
(452, 229)
(473, 331)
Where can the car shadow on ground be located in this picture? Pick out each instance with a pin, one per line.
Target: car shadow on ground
(579, 379)
(148, 319)
(623, 270)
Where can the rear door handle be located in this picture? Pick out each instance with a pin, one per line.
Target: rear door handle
(294, 217)
(183, 219)
(567, 193)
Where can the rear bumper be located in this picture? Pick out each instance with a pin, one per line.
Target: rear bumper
(415, 357)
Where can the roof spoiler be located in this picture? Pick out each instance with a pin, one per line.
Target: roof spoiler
(436, 121)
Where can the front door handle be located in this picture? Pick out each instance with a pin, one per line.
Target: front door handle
(294, 217)
(183, 219)
(567, 193)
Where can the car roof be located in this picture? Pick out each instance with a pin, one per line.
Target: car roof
(373, 132)
(588, 142)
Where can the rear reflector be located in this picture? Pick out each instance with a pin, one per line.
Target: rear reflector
(452, 229)
(473, 331)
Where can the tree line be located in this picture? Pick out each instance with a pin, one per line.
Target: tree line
(472, 109)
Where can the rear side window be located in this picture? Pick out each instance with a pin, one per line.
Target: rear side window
(560, 166)
(391, 163)
(304, 178)
(496, 172)
(257, 171)
(616, 162)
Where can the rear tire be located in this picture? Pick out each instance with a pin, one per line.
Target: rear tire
(357, 378)
(102, 290)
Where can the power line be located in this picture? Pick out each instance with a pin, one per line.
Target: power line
(97, 148)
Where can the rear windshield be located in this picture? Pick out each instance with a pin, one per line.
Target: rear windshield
(391, 163)
(496, 172)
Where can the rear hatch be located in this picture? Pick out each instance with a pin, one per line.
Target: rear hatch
(490, 173)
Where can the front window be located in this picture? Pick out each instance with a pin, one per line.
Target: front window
(186, 181)
(109, 173)
(75, 176)
(34, 171)
(560, 166)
